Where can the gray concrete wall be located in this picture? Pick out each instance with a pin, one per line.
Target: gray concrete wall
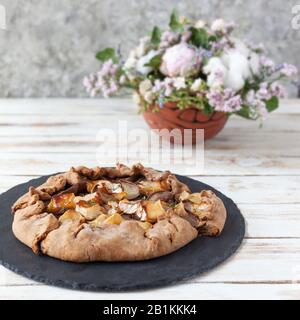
(49, 45)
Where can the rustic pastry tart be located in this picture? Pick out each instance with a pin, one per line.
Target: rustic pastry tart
(114, 214)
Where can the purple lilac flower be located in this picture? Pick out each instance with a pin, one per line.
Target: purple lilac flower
(267, 64)
(186, 36)
(170, 37)
(225, 101)
(105, 80)
(264, 93)
(278, 90)
(288, 70)
(158, 85)
(257, 106)
(222, 44)
(89, 82)
(161, 100)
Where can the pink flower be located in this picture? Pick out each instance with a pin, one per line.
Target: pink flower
(180, 60)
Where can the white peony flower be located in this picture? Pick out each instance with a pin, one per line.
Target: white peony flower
(196, 86)
(141, 63)
(179, 83)
(180, 60)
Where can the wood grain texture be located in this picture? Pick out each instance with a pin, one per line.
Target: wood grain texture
(258, 168)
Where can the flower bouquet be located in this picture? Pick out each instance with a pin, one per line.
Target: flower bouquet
(193, 75)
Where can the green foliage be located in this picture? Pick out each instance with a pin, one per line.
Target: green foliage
(106, 54)
(244, 112)
(155, 36)
(272, 104)
(154, 62)
(199, 38)
(208, 109)
(175, 24)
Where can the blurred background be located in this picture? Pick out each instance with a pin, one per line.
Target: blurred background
(49, 46)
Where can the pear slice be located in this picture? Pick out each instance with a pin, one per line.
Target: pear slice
(89, 210)
(115, 218)
(145, 225)
(98, 221)
(61, 202)
(148, 187)
(154, 210)
(71, 215)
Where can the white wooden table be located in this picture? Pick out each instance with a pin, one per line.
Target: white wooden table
(258, 168)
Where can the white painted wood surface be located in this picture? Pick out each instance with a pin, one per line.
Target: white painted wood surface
(258, 168)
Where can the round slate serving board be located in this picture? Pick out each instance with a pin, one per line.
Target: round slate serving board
(197, 257)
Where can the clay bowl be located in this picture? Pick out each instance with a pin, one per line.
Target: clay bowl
(170, 117)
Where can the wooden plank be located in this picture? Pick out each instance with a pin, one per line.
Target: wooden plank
(272, 221)
(41, 162)
(96, 121)
(226, 144)
(258, 189)
(190, 291)
(95, 106)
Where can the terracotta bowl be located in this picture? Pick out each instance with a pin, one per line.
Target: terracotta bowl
(170, 117)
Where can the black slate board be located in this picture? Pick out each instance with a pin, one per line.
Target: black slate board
(199, 256)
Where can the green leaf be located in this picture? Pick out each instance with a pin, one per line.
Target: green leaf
(272, 104)
(207, 109)
(199, 38)
(244, 112)
(155, 62)
(155, 36)
(212, 38)
(175, 24)
(106, 54)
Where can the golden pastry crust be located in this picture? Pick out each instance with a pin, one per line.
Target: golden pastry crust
(160, 215)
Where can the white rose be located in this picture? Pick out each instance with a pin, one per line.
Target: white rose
(136, 98)
(200, 24)
(218, 25)
(196, 85)
(141, 63)
(179, 83)
(149, 96)
(130, 63)
(145, 86)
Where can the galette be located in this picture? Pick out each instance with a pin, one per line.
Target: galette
(114, 214)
